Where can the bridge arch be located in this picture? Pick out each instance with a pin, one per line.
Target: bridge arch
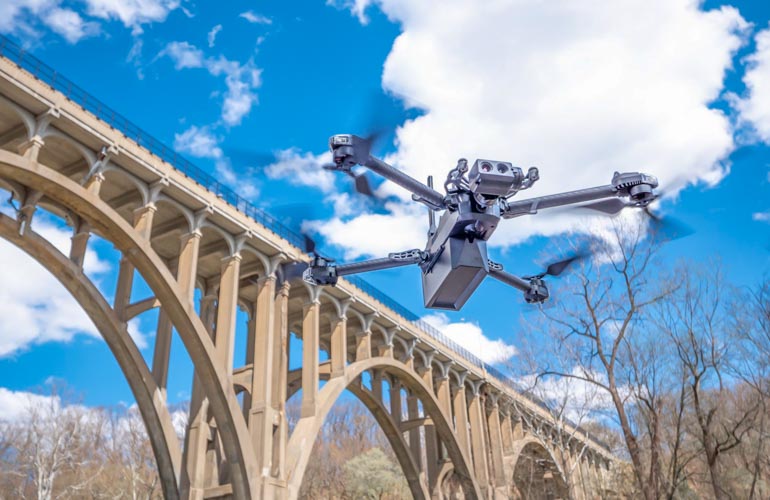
(535, 465)
(109, 224)
(305, 432)
(163, 438)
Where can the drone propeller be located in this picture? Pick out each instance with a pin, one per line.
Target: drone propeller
(668, 227)
(360, 181)
(557, 268)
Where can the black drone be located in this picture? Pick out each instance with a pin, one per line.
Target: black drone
(454, 260)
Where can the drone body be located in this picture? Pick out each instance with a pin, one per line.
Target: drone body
(454, 261)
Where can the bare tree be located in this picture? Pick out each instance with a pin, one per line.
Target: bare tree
(54, 442)
(592, 334)
(697, 322)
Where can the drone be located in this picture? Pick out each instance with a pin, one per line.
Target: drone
(454, 261)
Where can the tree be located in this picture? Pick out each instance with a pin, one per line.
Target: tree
(372, 474)
(696, 321)
(592, 335)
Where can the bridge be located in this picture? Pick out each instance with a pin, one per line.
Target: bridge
(204, 252)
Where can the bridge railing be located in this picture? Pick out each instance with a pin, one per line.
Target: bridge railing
(78, 95)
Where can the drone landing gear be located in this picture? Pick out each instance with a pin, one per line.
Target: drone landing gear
(325, 272)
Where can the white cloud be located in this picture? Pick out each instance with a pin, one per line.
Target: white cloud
(15, 405)
(303, 169)
(356, 7)
(241, 80)
(23, 17)
(403, 228)
(132, 13)
(253, 18)
(761, 216)
(471, 337)
(20, 17)
(69, 24)
(201, 142)
(36, 308)
(184, 55)
(212, 36)
(578, 400)
(579, 91)
(755, 107)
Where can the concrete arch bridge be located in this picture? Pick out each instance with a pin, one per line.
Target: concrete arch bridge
(451, 419)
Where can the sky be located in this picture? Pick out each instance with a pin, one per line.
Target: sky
(251, 91)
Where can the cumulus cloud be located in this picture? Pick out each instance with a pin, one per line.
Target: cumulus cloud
(579, 91)
(241, 80)
(15, 405)
(754, 108)
(22, 17)
(573, 398)
(132, 13)
(212, 36)
(35, 306)
(69, 24)
(761, 216)
(470, 336)
(253, 18)
(356, 7)
(201, 142)
(303, 169)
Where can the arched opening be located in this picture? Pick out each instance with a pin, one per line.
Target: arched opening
(225, 409)
(536, 474)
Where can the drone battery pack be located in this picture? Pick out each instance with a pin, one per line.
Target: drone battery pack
(456, 274)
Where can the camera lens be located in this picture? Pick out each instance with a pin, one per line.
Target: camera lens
(486, 166)
(502, 168)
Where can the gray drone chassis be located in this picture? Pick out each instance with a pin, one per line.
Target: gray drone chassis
(454, 261)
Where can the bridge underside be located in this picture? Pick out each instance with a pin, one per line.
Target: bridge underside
(451, 424)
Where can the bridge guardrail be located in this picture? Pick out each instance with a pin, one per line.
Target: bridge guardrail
(37, 68)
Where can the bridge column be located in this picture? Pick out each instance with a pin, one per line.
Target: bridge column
(143, 224)
(431, 440)
(224, 341)
(478, 443)
(395, 400)
(187, 270)
(279, 379)
(260, 354)
(445, 402)
(461, 415)
(376, 379)
(363, 345)
(79, 246)
(507, 432)
(339, 345)
(496, 442)
(415, 443)
(198, 430)
(310, 346)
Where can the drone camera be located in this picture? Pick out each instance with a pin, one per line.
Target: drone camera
(494, 179)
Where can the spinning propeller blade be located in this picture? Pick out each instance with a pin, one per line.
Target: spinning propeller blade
(557, 268)
(668, 228)
(612, 206)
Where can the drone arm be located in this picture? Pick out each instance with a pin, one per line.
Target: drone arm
(417, 188)
(496, 271)
(532, 205)
(396, 259)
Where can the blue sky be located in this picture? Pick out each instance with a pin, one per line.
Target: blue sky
(674, 89)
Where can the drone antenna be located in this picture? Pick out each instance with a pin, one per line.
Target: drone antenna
(431, 215)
